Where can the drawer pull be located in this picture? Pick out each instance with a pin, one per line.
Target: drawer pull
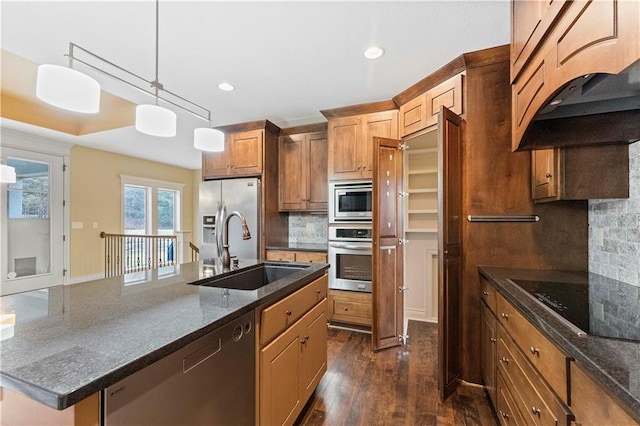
(318, 291)
(535, 410)
(346, 309)
(485, 293)
(304, 340)
(493, 340)
(505, 360)
(288, 313)
(504, 315)
(504, 415)
(534, 351)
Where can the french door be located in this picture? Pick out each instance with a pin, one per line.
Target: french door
(32, 228)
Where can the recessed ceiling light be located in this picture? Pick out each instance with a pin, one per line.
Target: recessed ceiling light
(227, 87)
(373, 52)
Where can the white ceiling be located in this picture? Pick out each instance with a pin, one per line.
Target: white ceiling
(287, 60)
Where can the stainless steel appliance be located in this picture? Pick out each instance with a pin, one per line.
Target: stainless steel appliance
(350, 257)
(350, 201)
(219, 198)
(208, 382)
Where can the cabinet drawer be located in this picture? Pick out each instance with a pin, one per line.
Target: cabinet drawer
(350, 307)
(532, 396)
(281, 255)
(508, 413)
(304, 256)
(549, 361)
(488, 294)
(282, 314)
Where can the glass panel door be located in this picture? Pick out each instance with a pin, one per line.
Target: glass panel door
(32, 225)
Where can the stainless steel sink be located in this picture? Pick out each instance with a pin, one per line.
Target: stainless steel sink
(253, 278)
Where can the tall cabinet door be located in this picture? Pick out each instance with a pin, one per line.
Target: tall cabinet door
(317, 161)
(449, 249)
(345, 135)
(388, 252)
(293, 173)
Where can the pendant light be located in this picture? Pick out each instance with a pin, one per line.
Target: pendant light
(155, 120)
(207, 139)
(7, 174)
(68, 89)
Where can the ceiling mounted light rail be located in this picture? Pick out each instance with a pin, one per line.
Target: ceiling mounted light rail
(73, 90)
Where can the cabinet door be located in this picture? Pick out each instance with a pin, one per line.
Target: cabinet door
(388, 251)
(316, 159)
(489, 352)
(246, 150)
(449, 250)
(280, 397)
(380, 124)
(313, 349)
(344, 136)
(544, 170)
(216, 164)
(293, 172)
(413, 115)
(447, 94)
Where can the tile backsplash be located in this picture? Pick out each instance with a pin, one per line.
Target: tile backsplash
(614, 230)
(308, 228)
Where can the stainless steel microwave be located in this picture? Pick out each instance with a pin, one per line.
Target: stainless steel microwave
(350, 201)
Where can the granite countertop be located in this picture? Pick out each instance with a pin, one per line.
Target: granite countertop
(300, 247)
(69, 342)
(614, 363)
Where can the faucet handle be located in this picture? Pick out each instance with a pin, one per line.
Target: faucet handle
(236, 261)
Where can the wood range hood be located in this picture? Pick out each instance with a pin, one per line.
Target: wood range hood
(19, 103)
(593, 109)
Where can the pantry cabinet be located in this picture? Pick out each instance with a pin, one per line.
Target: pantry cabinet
(292, 342)
(581, 173)
(303, 169)
(351, 138)
(557, 42)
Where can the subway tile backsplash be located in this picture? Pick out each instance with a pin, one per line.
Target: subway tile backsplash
(614, 230)
(308, 228)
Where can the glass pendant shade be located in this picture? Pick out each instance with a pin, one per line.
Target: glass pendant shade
(206, 139)
(7, 174)
(155, 120)
(68, 89)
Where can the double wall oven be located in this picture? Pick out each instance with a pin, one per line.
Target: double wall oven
(350, 236)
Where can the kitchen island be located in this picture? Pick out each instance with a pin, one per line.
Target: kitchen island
(69, 342)
(609, 364)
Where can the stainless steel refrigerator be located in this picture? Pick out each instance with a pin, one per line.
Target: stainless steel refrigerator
(216, 196)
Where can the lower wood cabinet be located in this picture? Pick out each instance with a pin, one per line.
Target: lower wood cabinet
(297, 256)
(590, 403)
(18, 409)
(489, 357)
(292, 362)
(350, 307)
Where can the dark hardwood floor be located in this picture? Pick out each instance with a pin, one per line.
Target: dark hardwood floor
(396, 386)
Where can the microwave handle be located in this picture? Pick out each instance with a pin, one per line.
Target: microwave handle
(351, 246)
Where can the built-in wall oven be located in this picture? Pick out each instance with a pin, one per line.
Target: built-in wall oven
(350, 201)
(350, 251)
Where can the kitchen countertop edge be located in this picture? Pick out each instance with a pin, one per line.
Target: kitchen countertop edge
(591, 353)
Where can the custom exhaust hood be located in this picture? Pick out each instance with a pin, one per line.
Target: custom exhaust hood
(592, 109)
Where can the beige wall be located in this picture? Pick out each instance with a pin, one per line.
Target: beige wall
(96, 197)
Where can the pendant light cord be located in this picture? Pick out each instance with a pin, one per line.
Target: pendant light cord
(157, 81)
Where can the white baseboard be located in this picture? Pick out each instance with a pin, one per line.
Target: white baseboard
(84, 278)
(419, 315)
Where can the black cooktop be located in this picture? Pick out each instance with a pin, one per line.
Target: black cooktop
(600, 307)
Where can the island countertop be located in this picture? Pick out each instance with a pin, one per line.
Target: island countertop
(611, 362)
(71, 341)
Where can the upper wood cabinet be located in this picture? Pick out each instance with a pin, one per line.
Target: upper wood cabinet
(244, 151)
(303, 169)
(422, 111)
(351, 138)
(556, 43)
(580, 173)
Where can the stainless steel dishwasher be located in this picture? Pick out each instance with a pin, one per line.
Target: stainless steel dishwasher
(209, 382)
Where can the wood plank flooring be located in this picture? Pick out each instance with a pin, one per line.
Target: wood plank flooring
(396, 386)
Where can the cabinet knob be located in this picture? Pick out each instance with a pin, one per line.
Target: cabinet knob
(318, 291)
(493, 340)
(504, 415)
(534, 351)
(485, 293)
(535, 410)
(548, 175)
(346, 309)
(288, 313)
(504, 360)
(504, 315)
(304, 340)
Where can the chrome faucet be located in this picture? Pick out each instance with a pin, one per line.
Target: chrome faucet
(246, 235)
